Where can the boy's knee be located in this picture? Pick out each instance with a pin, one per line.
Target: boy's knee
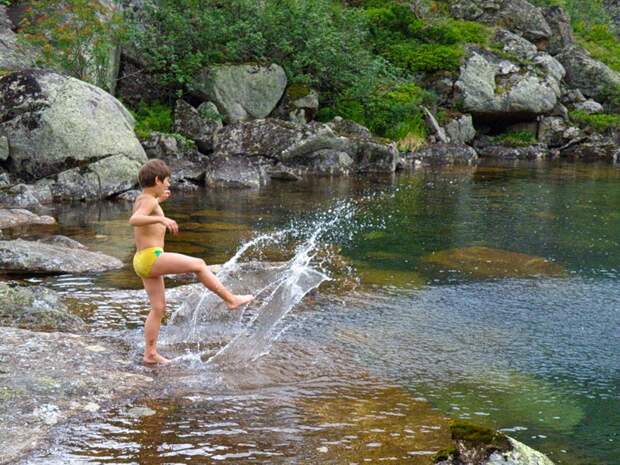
(200, 265)
(159, 308)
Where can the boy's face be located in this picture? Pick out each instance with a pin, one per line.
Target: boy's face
(162, 186)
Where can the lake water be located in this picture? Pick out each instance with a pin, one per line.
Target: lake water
(488, 293)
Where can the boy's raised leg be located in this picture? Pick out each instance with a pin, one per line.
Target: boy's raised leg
(175, 263)
(155, 290)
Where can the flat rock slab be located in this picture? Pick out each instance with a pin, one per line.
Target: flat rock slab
(11, 217)
(21, 256)
(486, 262)
(47, 377)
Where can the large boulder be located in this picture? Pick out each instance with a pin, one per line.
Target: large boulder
(10, 218)
(242, 92)
(20, 256)
(518, 16)
(37, 309)
(55, 122)
(99, 180)
(237, 171)
(13, 56)
(593, 78)
(496, 89)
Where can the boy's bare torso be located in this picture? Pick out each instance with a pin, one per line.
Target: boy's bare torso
(150, 235)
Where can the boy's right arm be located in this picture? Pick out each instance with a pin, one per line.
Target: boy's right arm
(142, 215)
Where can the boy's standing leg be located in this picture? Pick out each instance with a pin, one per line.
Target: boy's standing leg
(155, 289)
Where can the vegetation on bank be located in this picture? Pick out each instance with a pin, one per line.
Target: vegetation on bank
(367, 58)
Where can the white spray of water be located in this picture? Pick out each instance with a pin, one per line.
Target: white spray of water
(284, 285)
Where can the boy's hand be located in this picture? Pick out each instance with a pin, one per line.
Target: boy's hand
(171, 225)
(164, 196)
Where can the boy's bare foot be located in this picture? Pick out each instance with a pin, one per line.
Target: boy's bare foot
(155, 359)
(239, 300)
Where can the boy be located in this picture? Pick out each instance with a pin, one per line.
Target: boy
(151, 263)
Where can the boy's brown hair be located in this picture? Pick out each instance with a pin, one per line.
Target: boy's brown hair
(153, 169)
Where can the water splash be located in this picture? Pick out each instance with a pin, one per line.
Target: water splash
(241, 337)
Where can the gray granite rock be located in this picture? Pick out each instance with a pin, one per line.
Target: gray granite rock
(12, 217)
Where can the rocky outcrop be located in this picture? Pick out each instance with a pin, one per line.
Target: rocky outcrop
(441, 154)
(293, 144)
(13, 56)
(189, 122)
(299, 104)
(562, 31)
(37, 309)
(20, 256)
(40, 386)
(518, 16)
(593, 148)
(496, 89)
(54, 122)
(180, 155)
(554, 131)
(236, 171)
(25, 195)
(242, 92)
(10, 218)
(460, 129)
(501, 151)
(593, 78)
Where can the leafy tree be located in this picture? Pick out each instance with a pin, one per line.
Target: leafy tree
(76, 37)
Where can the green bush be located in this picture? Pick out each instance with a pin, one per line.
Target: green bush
(421, 45)
(392, 112)
(599, 122)
(425, 57)
(318, 42)
(154, 117)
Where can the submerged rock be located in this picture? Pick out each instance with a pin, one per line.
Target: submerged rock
(48, 377)
(485, 262)
(37, 309)
(21, 256)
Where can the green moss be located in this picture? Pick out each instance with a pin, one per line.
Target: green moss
(516, 139)
(296, 91)
(425, 57)
(154, 117)
(599, 122)
(478, 436)
(445, 454)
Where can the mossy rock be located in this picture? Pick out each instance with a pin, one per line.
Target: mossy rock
(478, 436)
(449, 453)
(296, 91)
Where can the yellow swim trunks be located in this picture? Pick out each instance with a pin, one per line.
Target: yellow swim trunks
(144, 259)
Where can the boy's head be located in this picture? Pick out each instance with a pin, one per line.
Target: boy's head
(151, 171)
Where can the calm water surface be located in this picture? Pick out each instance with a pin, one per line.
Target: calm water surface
(488, 293)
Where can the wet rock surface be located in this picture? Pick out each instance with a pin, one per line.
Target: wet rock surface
(37, 309)
(20, 256)
(46, 378)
